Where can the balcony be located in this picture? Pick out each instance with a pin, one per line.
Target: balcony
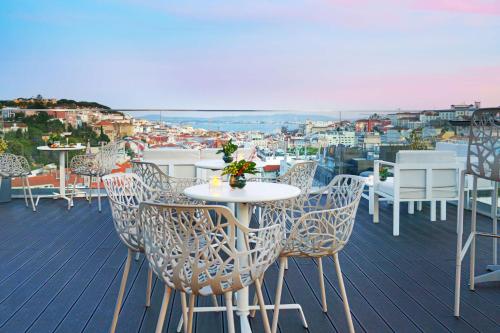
(61, 270)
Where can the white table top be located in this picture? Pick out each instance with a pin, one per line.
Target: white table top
(47, 148)
(219, 164)
(251, 193)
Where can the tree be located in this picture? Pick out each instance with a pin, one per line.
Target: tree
(103, 137)
(416, 141)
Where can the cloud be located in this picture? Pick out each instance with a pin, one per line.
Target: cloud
(482, 7)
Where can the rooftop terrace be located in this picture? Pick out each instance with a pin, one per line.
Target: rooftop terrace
(60, 272)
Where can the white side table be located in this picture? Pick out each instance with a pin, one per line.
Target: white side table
(62, 171)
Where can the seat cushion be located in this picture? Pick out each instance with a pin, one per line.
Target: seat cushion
(416, 192)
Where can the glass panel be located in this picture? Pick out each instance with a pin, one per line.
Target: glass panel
(176, 138)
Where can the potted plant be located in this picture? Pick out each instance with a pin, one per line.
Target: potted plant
(383, 174)
(5, 185)
(228, 150)
(237, 171)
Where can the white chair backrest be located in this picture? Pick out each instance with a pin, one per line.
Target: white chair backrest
(427, 174)
(210, 154)
(483, 159)
(176, 162)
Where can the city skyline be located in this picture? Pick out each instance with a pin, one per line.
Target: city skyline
(321, 55)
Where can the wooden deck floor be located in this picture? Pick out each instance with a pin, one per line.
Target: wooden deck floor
(60, 271)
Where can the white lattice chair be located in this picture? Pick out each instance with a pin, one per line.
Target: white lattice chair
(17, 166)
(125, 192)
(172, 188)
(300, 175)
(319, 227)
(94, 166)
(483, 163)
(193, 249)
(418, 176)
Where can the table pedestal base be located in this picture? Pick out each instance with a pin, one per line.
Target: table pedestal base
(244, 323)
(54, 196)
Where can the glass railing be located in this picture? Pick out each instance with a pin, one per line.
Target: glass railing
(176, 139)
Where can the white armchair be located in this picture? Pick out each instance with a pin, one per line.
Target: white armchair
(417, 176)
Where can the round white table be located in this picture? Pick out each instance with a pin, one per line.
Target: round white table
(250, 194)
(62, 170)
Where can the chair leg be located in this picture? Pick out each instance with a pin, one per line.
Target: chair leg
(262, 305)
(30, 194)
(148, 289)
(343, 293)
(123, 284)
(214, 301)
(163, 309)
(184, 311)
(395, 218)
(277, 299)
(70, 203)
(192, 298)
(375, 208)
(433, 210)
(473, 224)
(229, 311)
(419, 206)
(443, 210)
(90, 191)
(460, 229)
(24, 191)
(322, 285)
(255, 300)
(411, 207)
(99, 193)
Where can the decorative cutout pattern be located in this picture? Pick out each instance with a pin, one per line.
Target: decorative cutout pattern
(172, 187)
(14, 166)
(483, 158)
(193, 248)
(323, 224)
(99, 164)
(125, 192)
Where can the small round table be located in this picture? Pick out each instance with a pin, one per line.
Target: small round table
(62, 171)
(250, 194)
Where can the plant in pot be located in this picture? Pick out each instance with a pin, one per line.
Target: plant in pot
(237, 171)
(228, 150)
(383, 174)
(5, 185)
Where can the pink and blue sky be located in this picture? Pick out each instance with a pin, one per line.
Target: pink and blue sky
(229, 54)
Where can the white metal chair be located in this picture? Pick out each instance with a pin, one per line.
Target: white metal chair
(172, 188)
(94, 166)
(319, 228)
(192, 249)
(17, 166)
(300, 175)
(125, 193)
(483, 162)
(418, 176)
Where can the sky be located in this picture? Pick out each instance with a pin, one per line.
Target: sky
(315, 55)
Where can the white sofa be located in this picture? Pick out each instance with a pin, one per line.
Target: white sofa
(418, 176)
(178, 162)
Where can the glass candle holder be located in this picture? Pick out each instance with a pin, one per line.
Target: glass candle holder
(215, 183)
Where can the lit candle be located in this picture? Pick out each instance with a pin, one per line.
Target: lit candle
(215, 183)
